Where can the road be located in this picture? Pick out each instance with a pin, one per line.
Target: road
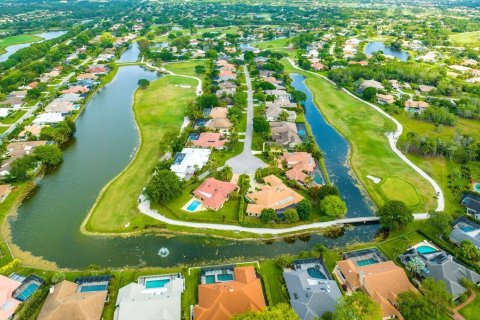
(246, 162)
(392, 139)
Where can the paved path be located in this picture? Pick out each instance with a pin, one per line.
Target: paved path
(199, 90)
(246, 162)
(458, 316)
(392, 139)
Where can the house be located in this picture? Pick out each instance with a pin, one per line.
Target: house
(76, 89)
(301, 166)
(218, 113)
(385, 98)
(465, 229)
(67, 301)
(8, 304)
(210, 140)
(224, 300)
(227, 85)
(32, 130)
(277, 113)
(311, 288)
(278, 94)
(440, 266)
(4, 112)
(281, 103)
(266, 73)
(59, 106)
(188, 161)
(470, 62)
(5, 190)
(415, 106)
(285, 134)
(369, 84)
(87, 76)
(383, 281)
(16, 150)
(317, 66)
(214, 193)
(97, 69)
(219, 93)
(145, 300)
(471, 202)
(70, 97)
(273, 195)
(48, 118)
(220, 124)
(425, 89)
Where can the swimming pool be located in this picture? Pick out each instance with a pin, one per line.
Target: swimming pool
(366, 262)
(476, 187)
(316, 273)
(318, 178)
(467, 228)
(426, 249)
(93, 287)
(193, 205)
(27, 292)
(157, 283)
(225, 277)
(210, 279)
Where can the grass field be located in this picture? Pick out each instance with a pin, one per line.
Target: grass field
(370, 152)
(157, 109)
(470, 311)
(186, 68)
(13, 40)
(466, 38)
(13, 117)
(277, 45)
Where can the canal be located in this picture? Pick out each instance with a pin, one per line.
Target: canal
(48, 222)
(45, 35)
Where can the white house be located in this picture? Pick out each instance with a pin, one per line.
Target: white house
(188, 161)
(48, 118)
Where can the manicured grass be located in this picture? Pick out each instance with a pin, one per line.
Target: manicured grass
(158, 109)
(13, 117)
(363, 127)
(408, 195)
(186, 68)
(471, 311)
(472, 38)
(399, 241)
(277, 45)
(3, 129)
(13, 40)
(272, 276)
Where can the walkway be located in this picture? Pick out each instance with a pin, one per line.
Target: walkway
(246, 162)
(199, 90)
(392, 139)
(456, 314)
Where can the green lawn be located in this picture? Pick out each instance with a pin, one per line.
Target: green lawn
(186, 68)
(277, 45)
(272, 276)
(13, 117)
(363, 127)
(158, 109)
(468, 38)
(13, 40)
(471, 311)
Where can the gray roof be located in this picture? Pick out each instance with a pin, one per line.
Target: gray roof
(311, 297)
(465, 229)
(471, 201)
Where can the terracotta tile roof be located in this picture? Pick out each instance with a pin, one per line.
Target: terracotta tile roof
(382, 281)
(210, 140)
(275, 195)
(214, 193)
(8, 305)
(66, 303)
(301, 161)
(218, 124)
(221, 301)
(219, 113)
(76, 89)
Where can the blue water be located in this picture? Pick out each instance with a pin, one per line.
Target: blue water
(335, 150)
(467, 228)
(210, 279)
(193, 206)
(46, 36)
(425, 249)
(366, 262)
(131, 54)
(159, 283)
(380, 46)
(225, 277)
(477, 187)
(315, 273)
(93, 288)
(27, 292)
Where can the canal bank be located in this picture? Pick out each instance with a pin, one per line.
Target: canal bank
(42, 36)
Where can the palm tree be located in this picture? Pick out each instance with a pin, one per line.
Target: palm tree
(319, 249)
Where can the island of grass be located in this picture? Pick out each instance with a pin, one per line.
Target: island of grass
(371, 155)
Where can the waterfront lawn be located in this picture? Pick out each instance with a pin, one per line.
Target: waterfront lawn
(158, 109)
(399, 241)
(363, 127)
(273, 282)
(14, 40)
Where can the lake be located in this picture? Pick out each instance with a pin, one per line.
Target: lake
(380, 46)
(45, 35)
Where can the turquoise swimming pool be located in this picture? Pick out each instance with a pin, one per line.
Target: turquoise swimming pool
(193, 206)
(209, 279)
(28, 291)
(157, 283)
(93, 287)
(316, 273)
(426, 249)
(476, 186)
(225, 277)
(366, 262)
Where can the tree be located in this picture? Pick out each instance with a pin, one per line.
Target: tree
(369, 93)
(441, 221)
(143, 83)
(333, 206)
(321, 192)
(291, 215)
(267, 215)
(299, 96)
(469, 251)
(207, 100)
(224, 174)
(413, 305)
(415, 265)
(163, 186)
(394, 214)
(200, 69)
(106, 40)
(283, 115)
(304, 209)
(50, 154)
(58, 277)
(436, 294)
(260, 125)
(21, 169)
(280, 311)
(358, 306)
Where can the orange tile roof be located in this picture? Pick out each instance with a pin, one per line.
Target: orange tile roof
(301, 161)
(210, 140)
(219, 113)
(222, 301)
(382, 281)
(214, 193)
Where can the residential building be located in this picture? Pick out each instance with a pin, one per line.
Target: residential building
(8, 304)
(66, 301)
(214, 193)
(279, 94)
(441, 266)
(32, 130)
(59, 106)
(220, 124)
(369, 84)
(277, 113)
(383, 281)
(415, 106)
(213, 140)
(76, 89)
(281, 103)
(70, 97)
(16, 150)
(48, 118)
(188, 161)
(285, 134)
(471, 202)
(218, 113)
(301, 166)
(224, 300)
(465, 229)
(425, 89)
(97, 69)
(151, 298)
(87, 76)
(385, 98)
(312, 289)
(273, 195)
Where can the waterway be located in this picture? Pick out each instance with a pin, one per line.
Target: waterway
(335, 149)
(376, 46)
(45, 35)
(131, 54)
(48, 222)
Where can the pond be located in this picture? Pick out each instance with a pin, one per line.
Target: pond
(131, 54)
(45, 35)
(48, 222)
(388, 51)
(335, 149)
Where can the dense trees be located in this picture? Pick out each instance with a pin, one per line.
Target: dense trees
(22, 169)
(280, 311)
(49, 155)
(143, 83)
(441, 222)
(304, 209)
(163, 186)
(333, 206)
(394, 215)
(357, 306)
(261, 125)
(61, 133)
(268, 215)
(290, 215)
